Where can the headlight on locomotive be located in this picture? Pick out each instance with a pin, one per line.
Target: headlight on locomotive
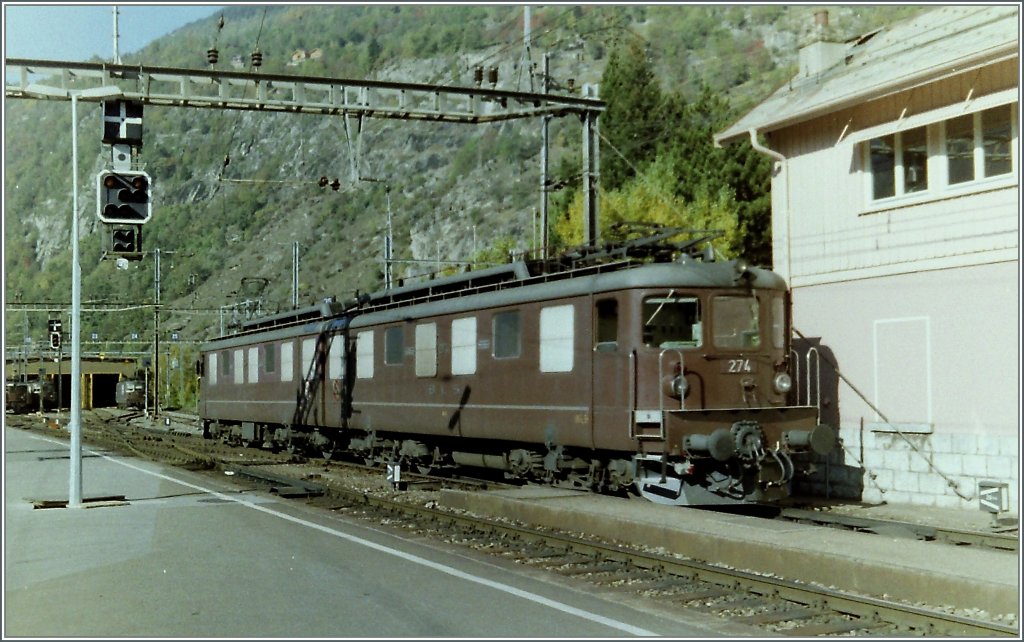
(782, 383)
(676, 386)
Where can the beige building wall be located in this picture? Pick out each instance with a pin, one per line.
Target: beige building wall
(928, 398)
(915, 302)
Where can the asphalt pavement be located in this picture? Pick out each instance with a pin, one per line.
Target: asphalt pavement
(191, 555)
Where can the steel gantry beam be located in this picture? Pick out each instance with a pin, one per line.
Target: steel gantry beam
(215, 89)
(253, 91)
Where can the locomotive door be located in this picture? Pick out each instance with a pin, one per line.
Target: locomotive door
(612, 375)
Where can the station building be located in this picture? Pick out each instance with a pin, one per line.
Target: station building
(896, 220)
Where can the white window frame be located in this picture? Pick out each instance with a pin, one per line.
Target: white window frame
(426, 350)
(287, 361)
(464, 346)
(308, 353)
(557, 338)
(336, 358)
(211, 368)
(364, 355)
(937, 166)
(254, 364)
(238, 357)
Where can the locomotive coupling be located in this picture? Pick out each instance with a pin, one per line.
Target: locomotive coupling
(719, 444)
(821, 439)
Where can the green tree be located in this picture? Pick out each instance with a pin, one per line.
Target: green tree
(630, 123)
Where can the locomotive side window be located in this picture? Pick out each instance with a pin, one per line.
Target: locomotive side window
(607, 331)
(464, 346)
(225, 363)
(778, 322)
(254, 364)
(269, 352)
(426, 350)
(287, 363)
(336, 358)
(507, 335)
(364, 355)
(394, 346)
(556, 338)
(308, 353)
(735, 322)
(672, 321)
(239, 366)
(212, 368)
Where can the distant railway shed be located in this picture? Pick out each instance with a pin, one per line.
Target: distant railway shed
(100, 375)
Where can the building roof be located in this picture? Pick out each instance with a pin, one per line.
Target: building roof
(935, 44)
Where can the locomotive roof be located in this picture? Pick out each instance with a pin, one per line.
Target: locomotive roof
(512, 285)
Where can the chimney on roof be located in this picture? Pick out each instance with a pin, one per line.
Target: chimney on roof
(823, 52)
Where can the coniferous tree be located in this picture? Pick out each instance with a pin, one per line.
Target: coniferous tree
(630, 123)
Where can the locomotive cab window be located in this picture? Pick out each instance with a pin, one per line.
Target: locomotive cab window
(507, 335)
(672, 321)
(735, 322)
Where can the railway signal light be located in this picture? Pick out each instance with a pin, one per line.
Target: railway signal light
(126, 240)
(123, 197)
(55, 340)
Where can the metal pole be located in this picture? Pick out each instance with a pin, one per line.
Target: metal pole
(117, 56)
(295, 277)
(388, 243)
(75, 427)
(156, 337)
(544, 122)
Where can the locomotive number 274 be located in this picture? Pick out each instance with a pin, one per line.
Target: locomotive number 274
(737, 366)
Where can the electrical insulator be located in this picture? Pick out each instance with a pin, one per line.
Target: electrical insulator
(323, 181)
(257, 58)
(212, 55)
(336, 185)
(492, 76)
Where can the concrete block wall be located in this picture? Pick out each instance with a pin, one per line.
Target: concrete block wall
(920, 469)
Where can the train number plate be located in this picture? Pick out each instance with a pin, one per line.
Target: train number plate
(738, 366)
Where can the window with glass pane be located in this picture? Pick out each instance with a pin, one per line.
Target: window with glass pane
(960, 149)
(269, 352)
(672, 322)
(995, 138)
(394, 345)
(883, 167)
(914, 145)
(506, 335)
(735, 322)
(607, 322)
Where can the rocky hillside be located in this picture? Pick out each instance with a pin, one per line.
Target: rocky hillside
(226, 230)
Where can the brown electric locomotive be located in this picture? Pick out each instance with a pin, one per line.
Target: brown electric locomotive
(622, 369)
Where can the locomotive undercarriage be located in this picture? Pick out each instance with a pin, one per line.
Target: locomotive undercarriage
(701, 475)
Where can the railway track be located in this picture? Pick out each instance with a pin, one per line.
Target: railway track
(1005, 540)
(768, 605)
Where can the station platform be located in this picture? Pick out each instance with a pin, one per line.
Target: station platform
(904, 568)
